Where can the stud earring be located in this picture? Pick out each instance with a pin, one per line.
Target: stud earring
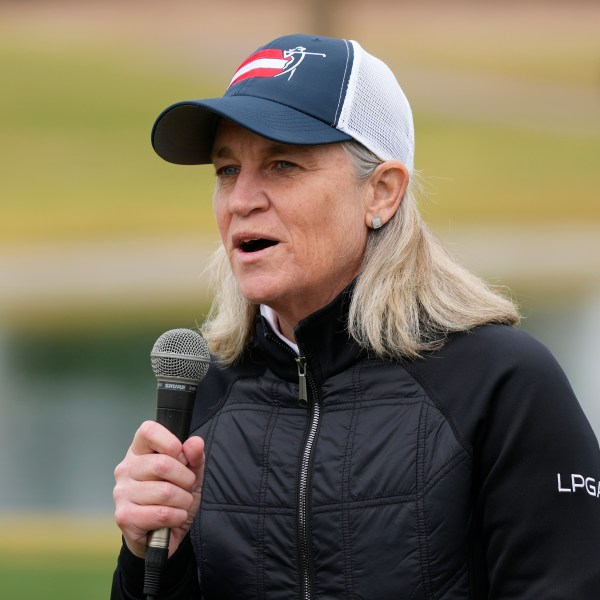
(376, 223)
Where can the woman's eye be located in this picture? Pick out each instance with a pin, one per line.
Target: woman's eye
(227, 171)
(285, 164)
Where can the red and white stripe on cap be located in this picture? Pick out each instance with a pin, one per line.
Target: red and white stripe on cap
(266, 63)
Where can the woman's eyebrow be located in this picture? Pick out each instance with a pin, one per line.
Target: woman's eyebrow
(277, 148)
(221, 152)
(269, 150)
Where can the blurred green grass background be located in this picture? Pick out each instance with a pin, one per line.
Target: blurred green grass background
(79, 95)
(77, 161)
(57, 558)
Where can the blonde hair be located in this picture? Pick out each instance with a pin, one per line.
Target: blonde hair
(409, 295)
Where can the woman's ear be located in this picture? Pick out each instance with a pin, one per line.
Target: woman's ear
(388, 183)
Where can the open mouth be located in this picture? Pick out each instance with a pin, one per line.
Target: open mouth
(255, 245)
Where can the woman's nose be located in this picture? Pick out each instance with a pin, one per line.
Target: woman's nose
(248, 194)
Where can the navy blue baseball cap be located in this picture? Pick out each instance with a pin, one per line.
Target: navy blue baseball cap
(298, 89)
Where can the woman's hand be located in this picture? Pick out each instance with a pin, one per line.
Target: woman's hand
(158, 485)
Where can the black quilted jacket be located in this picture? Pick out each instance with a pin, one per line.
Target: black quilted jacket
(469, 474)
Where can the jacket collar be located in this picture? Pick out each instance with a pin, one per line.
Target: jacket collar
(322, 337)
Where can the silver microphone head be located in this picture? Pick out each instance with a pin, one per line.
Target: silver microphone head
(180, 354)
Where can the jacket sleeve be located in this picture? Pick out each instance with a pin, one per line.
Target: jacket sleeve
(179, 580)
(537, 483)
(536, 466)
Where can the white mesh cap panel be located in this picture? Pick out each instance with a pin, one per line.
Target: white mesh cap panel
(376, 112)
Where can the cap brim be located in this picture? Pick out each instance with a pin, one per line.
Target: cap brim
(184, 132)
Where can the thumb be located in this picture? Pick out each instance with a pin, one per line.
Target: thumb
(193, 450)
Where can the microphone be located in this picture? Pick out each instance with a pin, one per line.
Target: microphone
(180, 359)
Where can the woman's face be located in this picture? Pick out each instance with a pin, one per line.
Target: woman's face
(292, 219)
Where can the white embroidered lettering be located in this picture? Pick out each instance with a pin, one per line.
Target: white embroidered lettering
(579, 482)
(590, 486)
(560, 488)
(577, 485)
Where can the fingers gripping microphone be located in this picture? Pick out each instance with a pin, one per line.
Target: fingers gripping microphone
(180, 359)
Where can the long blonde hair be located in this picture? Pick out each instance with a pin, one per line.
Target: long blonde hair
(409, 295)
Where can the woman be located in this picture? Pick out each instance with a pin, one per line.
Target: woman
(373, 426)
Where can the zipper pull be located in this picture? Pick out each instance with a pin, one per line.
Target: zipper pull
(302, 391)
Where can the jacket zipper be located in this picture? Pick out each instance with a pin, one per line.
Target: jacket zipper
(302, 389)
(303, 483)
(304, 380)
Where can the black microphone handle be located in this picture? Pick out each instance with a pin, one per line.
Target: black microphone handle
(174, 408)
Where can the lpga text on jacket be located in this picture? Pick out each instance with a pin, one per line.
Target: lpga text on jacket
(579, 482)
